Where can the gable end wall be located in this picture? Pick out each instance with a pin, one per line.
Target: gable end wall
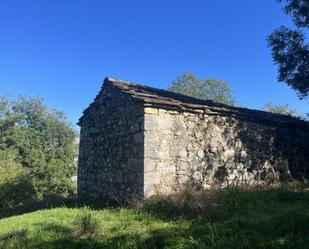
(111, 147)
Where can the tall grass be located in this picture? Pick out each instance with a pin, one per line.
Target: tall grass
(86, 225)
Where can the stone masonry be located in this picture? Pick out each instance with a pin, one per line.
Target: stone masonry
(140, 141)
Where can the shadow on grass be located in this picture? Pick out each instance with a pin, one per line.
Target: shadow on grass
(241, 219)
(238, 232)
(244, 219)
(64, 238)
(54, 201)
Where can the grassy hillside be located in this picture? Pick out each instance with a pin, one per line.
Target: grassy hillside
(232, 219)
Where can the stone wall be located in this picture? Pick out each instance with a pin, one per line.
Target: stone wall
(139, 141)
(219, 151)
(111, 147)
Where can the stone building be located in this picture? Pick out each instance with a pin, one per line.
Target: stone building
(139, 141)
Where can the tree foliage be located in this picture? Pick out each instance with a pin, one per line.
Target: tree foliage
(15, 185)
(299, 10)
(290, 50)
(281, 109)
(207, 89)
(38, 144)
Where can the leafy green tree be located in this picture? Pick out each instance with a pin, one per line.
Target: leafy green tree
(281, 109)
(43, 144)
(207, 89)
(290, 50)
(16, 188)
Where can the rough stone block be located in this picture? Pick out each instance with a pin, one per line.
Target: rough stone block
(150, 110)
(158, 122)
(152, 177)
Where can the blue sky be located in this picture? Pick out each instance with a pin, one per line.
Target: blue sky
(62, 50)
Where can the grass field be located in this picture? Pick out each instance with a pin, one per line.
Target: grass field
(234, 219)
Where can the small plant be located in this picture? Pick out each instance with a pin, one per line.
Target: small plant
(86, 224)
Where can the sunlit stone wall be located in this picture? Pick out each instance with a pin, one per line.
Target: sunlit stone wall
(215, 151)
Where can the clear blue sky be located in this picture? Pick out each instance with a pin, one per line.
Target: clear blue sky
(62, 49)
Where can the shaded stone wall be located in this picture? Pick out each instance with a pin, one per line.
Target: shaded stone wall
(111, 147)
(219, 151)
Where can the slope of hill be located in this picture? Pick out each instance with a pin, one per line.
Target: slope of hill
(234, 219)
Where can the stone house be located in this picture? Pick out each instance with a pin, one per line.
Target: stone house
(139, 141)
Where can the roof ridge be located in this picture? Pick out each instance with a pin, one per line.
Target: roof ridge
(115, 80)
(163, 98)
(160, 90)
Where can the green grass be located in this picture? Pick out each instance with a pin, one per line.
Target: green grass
(235, 219)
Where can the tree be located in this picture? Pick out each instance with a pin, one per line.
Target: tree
(16, 188)
(40, 142)
(281, 109)
(290, 51)
(207, 89)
